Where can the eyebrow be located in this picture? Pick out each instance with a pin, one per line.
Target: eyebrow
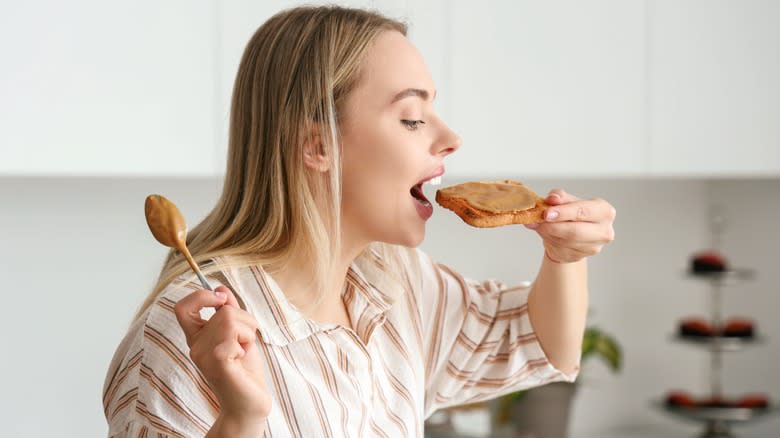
(423, 94)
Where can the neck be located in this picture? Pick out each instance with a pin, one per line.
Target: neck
(297, 280)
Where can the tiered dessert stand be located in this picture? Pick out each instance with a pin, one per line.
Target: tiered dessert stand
(718, 419)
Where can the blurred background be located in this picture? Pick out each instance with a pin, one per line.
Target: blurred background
(668, 109)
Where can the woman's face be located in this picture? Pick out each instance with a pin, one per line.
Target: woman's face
(392, 140)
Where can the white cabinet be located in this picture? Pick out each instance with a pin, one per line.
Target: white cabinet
(715, 87)
(107, 88)
(546, 88)
(556, 89)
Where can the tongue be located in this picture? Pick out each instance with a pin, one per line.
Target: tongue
(417, 193)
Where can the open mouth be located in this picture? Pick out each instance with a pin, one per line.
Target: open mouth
(417, 191)
(418, 195)
(423, 205)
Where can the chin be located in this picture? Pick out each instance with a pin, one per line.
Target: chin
(408, 238)
(415, 242)
(407, 230)
(414, 238)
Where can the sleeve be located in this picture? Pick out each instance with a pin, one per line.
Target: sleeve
(152, 387)
(478, 339)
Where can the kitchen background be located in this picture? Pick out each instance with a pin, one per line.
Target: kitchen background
(668, 109)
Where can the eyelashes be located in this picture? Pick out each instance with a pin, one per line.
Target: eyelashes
(412, 125)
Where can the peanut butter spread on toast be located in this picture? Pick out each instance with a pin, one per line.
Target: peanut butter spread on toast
(495, 196)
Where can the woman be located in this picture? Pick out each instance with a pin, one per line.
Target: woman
(327, 325)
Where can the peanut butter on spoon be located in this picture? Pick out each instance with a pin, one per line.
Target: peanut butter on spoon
(169, 228)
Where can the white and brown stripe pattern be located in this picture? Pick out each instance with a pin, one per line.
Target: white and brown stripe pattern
(446, 341)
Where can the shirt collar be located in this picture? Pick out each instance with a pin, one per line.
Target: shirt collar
(281, 323)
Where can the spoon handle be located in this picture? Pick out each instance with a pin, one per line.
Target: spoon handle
(195, 268)
(203, 281)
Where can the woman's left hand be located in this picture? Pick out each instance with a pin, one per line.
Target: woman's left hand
(574, 228)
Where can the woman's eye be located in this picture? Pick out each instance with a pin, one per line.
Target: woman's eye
(412, 125)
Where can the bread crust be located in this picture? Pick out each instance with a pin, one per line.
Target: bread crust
(487, 219)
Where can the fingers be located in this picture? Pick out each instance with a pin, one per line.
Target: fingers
(559, 196)
(576, 232)
(230, 314)
(229, 319)
(224, 345)
(225, 351)
(575, 228)
(187, 310)
(220, 338)
(228, 351)
(594, 210)
(231, 299)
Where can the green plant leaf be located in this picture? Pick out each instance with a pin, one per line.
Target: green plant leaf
(609, 351)
(588, 341)
(604, 346)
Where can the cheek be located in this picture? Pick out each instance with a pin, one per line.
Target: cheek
(362, 188)
(373, 200)
(377, 173)
(376, 155)
(370, 188)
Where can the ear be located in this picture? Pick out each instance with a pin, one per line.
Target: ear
(314, 151)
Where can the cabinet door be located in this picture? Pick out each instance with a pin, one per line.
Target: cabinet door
(107, 88)
(715, 92)
(547, 88)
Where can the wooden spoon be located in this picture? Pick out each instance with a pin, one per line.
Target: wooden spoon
(169, 228)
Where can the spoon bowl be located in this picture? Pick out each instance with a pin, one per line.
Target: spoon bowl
(165, 221)
(167, 225)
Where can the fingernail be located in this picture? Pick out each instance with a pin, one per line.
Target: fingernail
(554, 195)
(532, 226)
(551, 215)
(220, 295)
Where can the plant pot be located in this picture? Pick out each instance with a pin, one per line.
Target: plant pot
(543, 412)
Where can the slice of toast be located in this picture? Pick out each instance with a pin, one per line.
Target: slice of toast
(482, 218)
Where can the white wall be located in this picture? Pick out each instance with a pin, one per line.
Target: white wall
(599, 87)
(77, 260)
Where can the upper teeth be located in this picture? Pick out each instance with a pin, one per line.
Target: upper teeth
(435, 181)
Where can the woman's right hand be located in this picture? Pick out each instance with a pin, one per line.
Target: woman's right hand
(224, 350)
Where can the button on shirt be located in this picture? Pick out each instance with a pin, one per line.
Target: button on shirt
(443, 341)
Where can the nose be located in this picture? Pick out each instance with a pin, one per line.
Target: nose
(448, 142)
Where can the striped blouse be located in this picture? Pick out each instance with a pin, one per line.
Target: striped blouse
(445, 342)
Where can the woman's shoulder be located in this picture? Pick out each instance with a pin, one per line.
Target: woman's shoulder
(155, 337)
(160, 317)
(151, 364)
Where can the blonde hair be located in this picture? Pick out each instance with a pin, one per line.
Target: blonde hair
(295, 73)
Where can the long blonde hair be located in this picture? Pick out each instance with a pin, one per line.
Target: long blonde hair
(296, 70)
